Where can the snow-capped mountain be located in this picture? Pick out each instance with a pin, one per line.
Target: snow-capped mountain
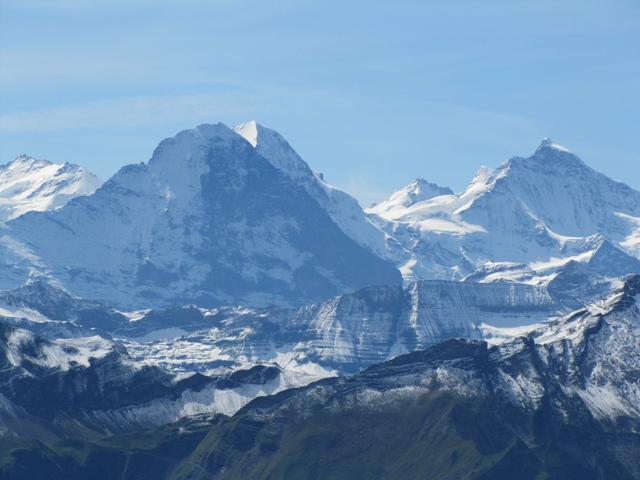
(30, 184)
(417, 191)
(343, 208)
(235, 216)
(209, 220)
(539, 212)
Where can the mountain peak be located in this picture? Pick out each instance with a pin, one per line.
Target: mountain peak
(248, 130)
(209, 220)
(214, 130)
(24, 161)
(547, 143)
(549, 158)
(33, 184)
(184, 153)
(424, 190)
(417, 191)
(201, 134)
(275, 148)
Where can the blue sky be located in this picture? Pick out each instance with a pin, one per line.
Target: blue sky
(373, 94)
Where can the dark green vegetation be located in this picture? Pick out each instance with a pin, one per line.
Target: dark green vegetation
(432, 436)
(144, 455)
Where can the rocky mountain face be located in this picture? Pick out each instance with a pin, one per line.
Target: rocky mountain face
(353, 331)
(343, 208)
(88, 387)
(29, 184)
(343, 334)
(561, 402)
(529, 217)
(209, 220)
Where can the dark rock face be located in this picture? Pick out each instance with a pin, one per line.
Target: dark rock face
(88, 386)
(262, 195)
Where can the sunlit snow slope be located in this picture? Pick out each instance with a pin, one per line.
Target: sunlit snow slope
(29, 184)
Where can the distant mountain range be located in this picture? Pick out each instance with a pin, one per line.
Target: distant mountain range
(343, 334)
(223, 312)
(234, 216)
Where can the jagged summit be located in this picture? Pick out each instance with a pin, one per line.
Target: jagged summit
(421, 189)
(550, 158)
(248, 130)
(25, 161)
(547, 143)
(32, 184)
(417, 191)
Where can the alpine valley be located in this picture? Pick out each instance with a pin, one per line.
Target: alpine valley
(221, 311)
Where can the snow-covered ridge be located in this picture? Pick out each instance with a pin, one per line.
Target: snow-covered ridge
(539, 212)
(348, 333)
(30, 184)
(343, 208)
(417, 191)
(585, 362)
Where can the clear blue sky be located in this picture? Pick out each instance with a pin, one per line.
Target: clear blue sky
(373, 94)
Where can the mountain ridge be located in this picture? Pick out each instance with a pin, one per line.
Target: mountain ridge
(561, 402)
(529, 210)
(31, 184)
